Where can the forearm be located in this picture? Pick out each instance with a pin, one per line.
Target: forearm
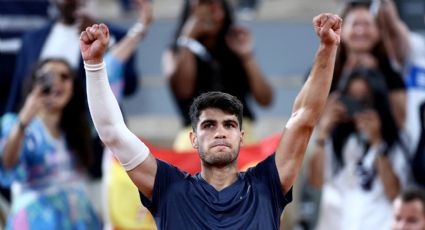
(396, 33)
(109, 123)
(316, 173)
(182, 72)
(14, 140)
(12, 147)
(388, 177)
(260, 88)
(315, 91)
(316, 165)
(126, 47)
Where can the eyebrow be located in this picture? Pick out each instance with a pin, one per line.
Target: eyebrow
(224, 121)
(231, 121)
(208, 121)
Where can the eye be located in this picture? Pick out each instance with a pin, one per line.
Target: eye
(230, 125)
(65, 76)
(207, 125)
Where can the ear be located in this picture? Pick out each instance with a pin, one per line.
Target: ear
(193, 139)
(241, 137)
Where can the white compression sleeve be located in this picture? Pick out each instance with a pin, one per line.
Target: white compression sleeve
(108, 120)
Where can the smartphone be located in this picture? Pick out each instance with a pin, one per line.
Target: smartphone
(352, 105)
(46, 82)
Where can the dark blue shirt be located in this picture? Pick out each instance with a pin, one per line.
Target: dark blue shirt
(182, 201)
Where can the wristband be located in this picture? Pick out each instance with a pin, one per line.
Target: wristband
(196, 47)
(22, 126)
(136, 30)
(94, 67)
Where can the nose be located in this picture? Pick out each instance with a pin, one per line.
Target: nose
(220, 132)
(359, 29)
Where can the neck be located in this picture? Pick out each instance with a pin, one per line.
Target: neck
(220, 177)
(51, 120)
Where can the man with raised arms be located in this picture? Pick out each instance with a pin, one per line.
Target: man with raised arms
(219, 197)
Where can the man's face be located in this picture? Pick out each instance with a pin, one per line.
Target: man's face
(408, 215)
(218, 137)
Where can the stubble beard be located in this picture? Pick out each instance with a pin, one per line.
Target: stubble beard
(218, 159)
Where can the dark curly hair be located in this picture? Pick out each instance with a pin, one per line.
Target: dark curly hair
(223, 101)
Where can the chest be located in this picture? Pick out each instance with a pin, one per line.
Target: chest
(240, 206)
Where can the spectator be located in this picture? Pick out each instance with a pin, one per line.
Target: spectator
(358, 159)
(362, 46)
(409, 210)
(45, 152)
(17, 18)
(59, 39)
(409, 52)
(211, 53)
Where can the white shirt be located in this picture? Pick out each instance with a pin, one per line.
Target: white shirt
(63, 42)
(344, 203)
(415, 81)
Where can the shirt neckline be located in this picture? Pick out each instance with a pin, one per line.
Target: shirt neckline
(211, 188)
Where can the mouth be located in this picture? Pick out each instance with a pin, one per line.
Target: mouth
(220, 144)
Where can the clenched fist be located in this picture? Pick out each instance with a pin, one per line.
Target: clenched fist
(93, 43)
(328, 28)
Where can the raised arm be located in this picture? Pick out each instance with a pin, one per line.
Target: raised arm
(14, 140)
(310, 101)
(395, 32)
(179, 64)
(241, 42)
(126, 47)
(131, 152)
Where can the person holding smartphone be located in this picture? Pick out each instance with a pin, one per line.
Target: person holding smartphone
(46, 152)
(210, 52)
(359, 155)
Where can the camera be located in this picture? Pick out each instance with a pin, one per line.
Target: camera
(46, 82)
(352, 105)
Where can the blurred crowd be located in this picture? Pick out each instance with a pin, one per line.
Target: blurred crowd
(366, 159)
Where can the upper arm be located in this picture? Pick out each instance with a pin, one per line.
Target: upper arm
(130, 150)
(180, 69)
(143, 176)
(292, 147)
